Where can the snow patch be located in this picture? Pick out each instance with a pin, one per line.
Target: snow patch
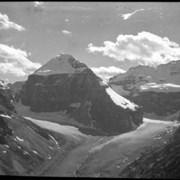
(19, 139)
(25, 152)
(6, 116)
(35, 152)
(165, 87)
(54, 140)
(50, 147)
(120, 101)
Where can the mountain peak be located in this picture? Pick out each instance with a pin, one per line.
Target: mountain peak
(61, 64)
(65, 57)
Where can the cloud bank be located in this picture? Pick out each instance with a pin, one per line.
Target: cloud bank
(5, 23)
(144, 48)
(107, 72)
(15, 61)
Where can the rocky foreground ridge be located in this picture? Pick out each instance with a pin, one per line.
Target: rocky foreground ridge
(162, 163)
(65, 84)
(24, 146)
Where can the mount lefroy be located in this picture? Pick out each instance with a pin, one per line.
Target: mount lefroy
(66, 84)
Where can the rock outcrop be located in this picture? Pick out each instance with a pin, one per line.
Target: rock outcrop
(157, 90)
(67, 84)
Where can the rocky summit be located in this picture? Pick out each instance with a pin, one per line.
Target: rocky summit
(156, 89)
(66, 84)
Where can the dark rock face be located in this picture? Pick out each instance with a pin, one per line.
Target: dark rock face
(56, 92)
(161, 104)
(161, 163)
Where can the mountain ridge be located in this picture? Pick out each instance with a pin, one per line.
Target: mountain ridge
(157, 89)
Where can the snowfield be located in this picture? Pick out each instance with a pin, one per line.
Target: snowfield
(59, 65)
(56, 66)
(120, 101)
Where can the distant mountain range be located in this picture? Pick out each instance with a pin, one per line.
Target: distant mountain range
(156, 89)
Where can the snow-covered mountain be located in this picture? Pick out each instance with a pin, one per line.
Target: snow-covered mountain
(146, 78)
(62, 64)
(66, 84)
(157, 89)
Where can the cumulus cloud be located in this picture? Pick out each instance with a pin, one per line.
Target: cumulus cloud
(38, 3)
(144, 48)
(66, 33)
(15, 61)
(66, 20)
(5, 23)
(107, 72)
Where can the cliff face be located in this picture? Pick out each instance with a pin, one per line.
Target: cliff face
(75, 88)
(157, 90)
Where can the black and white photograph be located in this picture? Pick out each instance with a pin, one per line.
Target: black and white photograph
(90, 89)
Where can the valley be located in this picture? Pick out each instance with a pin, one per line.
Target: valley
(101, 156)
(97, 132)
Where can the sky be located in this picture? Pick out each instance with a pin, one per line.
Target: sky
(109, 37)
